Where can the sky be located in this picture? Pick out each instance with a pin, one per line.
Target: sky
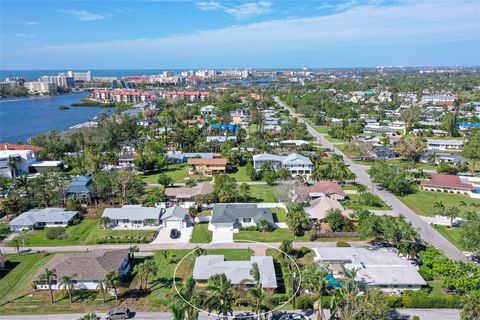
(156, 34)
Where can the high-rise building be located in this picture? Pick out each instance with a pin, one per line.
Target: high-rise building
(41, 87)
(82, 76)
(62, 80)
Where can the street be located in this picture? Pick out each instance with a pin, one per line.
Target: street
(424, 314)
(426, 231)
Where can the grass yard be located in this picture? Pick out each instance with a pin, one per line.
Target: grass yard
(177, 171)
(352, 202)
(263, 193)
(75, 235)
(422, 201)
(201, 234)
(240, 174)
(15, 283)
(279, 215)
(86, 232)
(454, 235)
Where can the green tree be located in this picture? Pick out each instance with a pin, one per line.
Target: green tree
(132, 250)
(244, 190)
(68, 283)
(16, 243)
(472, 149)
(164, 180)
(12, 165)
(471, 306)
(314, 280)
(452, 212)
(449, 124)
(89, 316)
(113, 281)
(48, 277)
(470, 234)
(297, 222)
(102, 286)
(220, 298)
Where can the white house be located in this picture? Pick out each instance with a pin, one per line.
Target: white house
(41, 218)
(175, 218)
(294, 162)
(134, 216)
(443, 145)
(207, 110)
(24, 158)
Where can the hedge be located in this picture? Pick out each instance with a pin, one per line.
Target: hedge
(419, 302)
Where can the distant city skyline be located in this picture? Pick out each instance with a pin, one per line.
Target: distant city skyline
(46, 35)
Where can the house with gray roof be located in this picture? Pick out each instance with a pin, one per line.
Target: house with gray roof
(41, 218)
(238, 272)
(133, 216)
(88, 268)
(235, 215)
(294, 162)
(175, 218)
(179, 156)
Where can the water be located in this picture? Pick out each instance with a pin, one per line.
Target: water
(25, 117)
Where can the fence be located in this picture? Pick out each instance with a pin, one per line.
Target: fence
(337, 234)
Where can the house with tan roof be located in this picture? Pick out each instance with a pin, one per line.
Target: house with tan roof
(186, 195)
(326, 189)
(86, 267)
(207, 167)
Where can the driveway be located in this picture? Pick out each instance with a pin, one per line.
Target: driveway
(163, 236)
(222, 235)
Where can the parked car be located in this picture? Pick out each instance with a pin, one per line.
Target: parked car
(118, 313)
(174, 234)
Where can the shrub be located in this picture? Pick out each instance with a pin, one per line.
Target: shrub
(312, 235)
(343, 244)
(305, 302)
(55, 233)
(415, 318)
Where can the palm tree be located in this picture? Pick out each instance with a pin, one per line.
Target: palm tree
(132, 250)
(315, 280)
(452, 213)
(188, 293)
(439, 206)
(286, 247)
(16, 244)
(105, 221)
(102, 287)
(113, 281)
(12, 164)
(361, 189)
(221, 298)
(68, 283)
(49, 276)
(463, 204)
(177, 312)
(140, 271)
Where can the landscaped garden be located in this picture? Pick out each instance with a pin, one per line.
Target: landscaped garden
(366, 201)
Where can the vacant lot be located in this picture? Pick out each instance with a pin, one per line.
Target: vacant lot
(201, 234)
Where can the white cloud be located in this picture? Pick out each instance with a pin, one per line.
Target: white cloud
(245, 10)
(30, 23)
(325, 5)
(84, 15)
(364, 26)
(346, 5)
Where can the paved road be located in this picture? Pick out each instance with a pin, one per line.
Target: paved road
(426, 231)
(424, 314)
(177, 246)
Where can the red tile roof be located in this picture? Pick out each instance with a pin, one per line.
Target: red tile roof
(11, 146)
(440, 180)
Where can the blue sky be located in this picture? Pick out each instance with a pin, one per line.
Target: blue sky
(217, 34)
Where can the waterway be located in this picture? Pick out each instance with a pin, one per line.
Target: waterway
(25, 117)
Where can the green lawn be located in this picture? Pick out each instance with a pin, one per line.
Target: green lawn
(16, 282)
(240, 174)
(76, 234)
(86, 232)
(263, 193)
(422, 201)
(352, 202)
(453, 235)
(279, 215)
(177, 171)
(201, 234)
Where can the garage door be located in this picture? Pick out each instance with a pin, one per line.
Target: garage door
(173, 224)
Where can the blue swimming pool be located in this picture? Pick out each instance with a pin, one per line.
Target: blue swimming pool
(333, 282)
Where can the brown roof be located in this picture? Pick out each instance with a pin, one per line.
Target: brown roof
(214, 161)
(440, 180)
(326, 187)
(93, 265)
(201, 188)
(11, 146)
